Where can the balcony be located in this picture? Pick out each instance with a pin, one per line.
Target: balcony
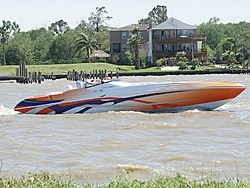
(177, 39)
(164, 53)
(168, 53)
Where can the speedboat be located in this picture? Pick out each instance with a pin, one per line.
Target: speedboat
(117, 95)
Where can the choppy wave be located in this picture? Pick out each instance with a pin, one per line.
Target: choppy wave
(132, 167)
(6, 111)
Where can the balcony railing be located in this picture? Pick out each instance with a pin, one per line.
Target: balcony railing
(171, 52)
(164, 37)
(178, 37)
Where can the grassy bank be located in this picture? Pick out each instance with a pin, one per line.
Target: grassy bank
(45, 179)
(58, 69)
(64, 68)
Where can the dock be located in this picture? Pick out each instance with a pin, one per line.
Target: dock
(23, 75)
(17, 78)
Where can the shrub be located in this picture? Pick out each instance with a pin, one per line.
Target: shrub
(182, 65)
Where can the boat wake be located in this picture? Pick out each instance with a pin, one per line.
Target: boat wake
(7, 111)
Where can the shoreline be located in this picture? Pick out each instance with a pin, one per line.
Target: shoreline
(164, 73)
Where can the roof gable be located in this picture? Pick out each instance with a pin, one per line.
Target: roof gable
(131, 27)
(173, 23)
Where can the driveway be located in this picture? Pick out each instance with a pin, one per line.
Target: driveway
(170, 68)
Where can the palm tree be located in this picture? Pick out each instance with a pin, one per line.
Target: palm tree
(83, 42)
(135, 41)
(229, 57)
(246, 65)
(231, 45)
(5, 32)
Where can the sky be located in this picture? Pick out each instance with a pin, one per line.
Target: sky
(34, 14)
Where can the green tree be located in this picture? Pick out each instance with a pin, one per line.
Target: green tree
(229, 57)
(243, 40)
(144, 58)
(238, 39)
(59, 27)
(194, 63)
(144, 20)
(85, 27)
(129, 57)
(172, 60)
(229, 44)
(84, 42)
(135, 41)
(182, 60)
(20, 48)
(102, 40)
(246, 65)
(62, 47)
(41, 40)
(210, 53)
(6, 31)
(98, 19)
(156, 16)
(161, 61)
(231, 36)
(222, 46)
(213, 30)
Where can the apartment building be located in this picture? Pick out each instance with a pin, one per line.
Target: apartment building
(172, 36)
(118, 41)
(163, 40)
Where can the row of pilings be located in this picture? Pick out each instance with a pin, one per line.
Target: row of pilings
(73, 75)
(24, 76)
(95, 74)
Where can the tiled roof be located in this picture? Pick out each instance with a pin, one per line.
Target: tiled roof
(100, 53)
(131, 27)
(173, 23)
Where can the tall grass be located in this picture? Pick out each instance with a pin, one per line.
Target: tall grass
(47, 180)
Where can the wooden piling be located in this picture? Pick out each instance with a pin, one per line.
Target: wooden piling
(39, 77)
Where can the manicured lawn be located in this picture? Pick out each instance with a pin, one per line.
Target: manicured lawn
(87, 67)
(64, 68)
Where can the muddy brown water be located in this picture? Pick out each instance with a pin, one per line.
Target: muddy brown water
(96, 147)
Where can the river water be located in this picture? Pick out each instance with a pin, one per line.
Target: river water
(96, 147)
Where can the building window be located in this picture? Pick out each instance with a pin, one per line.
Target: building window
(185, 32)
(179, 33)
(130, 35)
(186, 47)
(170, 48)
(163, 35)
(158, 47)
(168, 34)
(124, 47)
(179, 47)
(191, 33)
(116, 48)
(124, 35)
